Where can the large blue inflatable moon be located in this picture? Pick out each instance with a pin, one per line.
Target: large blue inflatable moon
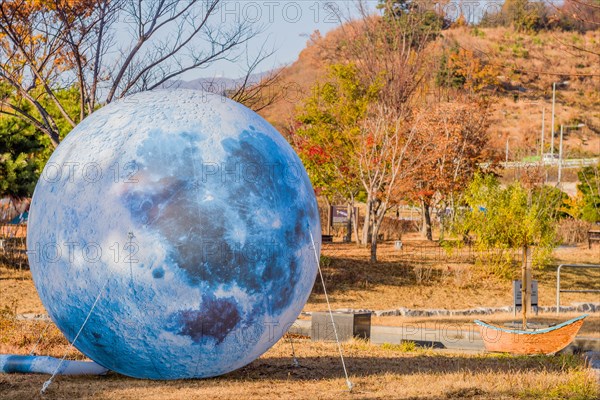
(183, 220)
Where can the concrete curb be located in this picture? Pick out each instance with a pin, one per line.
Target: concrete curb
(407, 312)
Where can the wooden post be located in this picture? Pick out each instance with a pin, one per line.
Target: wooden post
(524, 287)
(529, 281)
(355, 216)
(329, 219)
(526, 283)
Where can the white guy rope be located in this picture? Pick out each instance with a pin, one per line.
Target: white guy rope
(32, 352)
(49, 381)
(348, 383)
(295, 363)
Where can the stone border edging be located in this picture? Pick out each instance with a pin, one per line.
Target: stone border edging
(407, 312)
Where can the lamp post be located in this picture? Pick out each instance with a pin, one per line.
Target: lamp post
(560, 156)
(564, 83)
(553, 103)
(560, 148)
(542, 141)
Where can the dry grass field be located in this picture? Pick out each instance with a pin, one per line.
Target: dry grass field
(377, 372)
(388, 371)
(353, 282)
(395, 281)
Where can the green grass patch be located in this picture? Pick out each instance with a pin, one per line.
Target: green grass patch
(580, 386)
(404, 347)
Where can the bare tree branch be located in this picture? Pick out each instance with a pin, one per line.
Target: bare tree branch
(33, 64)
(47, 47)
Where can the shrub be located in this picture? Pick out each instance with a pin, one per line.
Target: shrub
(572, 231)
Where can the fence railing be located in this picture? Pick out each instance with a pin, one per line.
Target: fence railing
(467, 254)
(13, 249)
(559, 290)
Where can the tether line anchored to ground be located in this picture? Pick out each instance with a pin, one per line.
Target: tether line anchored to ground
(62, 360)
(32, 352)
(337, 340)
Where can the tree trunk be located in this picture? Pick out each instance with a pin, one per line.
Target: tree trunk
(525, 284)
(452, 212)
(348, 237)
(374, 242)
(426, 217)
(355, 222)
(328, 223)
(442, 219)
(379, 215)
(367, 222)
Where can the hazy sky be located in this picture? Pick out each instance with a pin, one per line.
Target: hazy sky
(288, 23)
(286, 26)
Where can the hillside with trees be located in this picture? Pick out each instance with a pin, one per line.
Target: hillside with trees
(515, 66)
(407, 106)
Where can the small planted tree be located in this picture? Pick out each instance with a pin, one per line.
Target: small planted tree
(513, 217)
(21, 158)
(24, 149)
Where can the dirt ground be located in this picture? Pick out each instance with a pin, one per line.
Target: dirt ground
(395, 281)
(353, 282)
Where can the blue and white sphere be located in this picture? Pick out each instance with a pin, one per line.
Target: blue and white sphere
(182, 220)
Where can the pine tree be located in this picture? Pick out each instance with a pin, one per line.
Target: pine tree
(23, 153)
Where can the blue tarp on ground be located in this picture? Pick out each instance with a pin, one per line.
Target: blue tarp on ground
(20, 219)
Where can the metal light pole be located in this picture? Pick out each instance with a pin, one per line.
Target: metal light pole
(564, 83)
(560, 155)
(560, 148)
(553, 103)
(542, 141)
